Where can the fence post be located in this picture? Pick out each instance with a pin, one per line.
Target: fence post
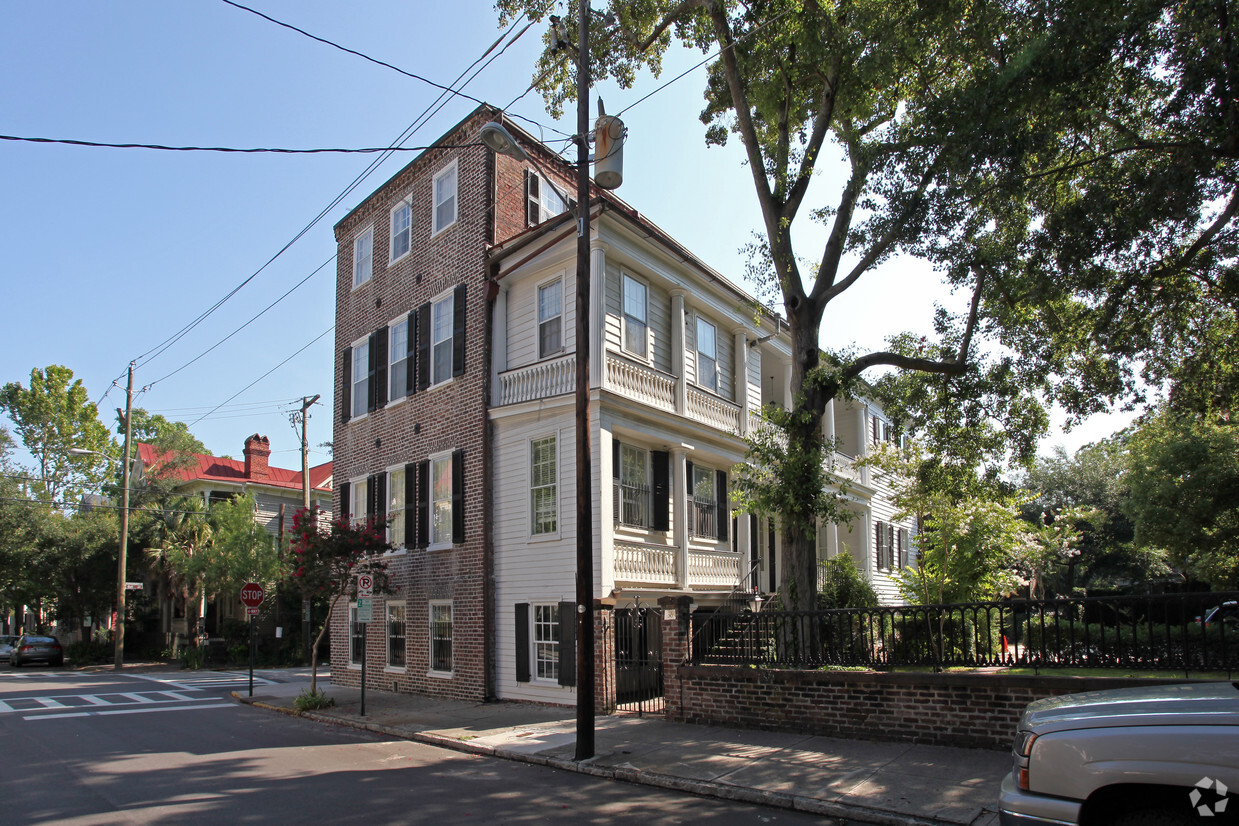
(604, 658)
(677, 634)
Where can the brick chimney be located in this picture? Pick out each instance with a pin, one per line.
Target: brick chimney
(257, 452)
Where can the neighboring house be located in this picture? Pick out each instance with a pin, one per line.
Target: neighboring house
(455, 321)
(277, 494)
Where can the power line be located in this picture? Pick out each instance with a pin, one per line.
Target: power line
(370, 150)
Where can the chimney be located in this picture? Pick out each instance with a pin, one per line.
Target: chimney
(257, 451)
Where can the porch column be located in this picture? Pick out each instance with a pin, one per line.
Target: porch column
(744, 544)
(499, 347)
(604, 507)
(597, 314)
(740, 382)
(678, 354)
(862, 412)
(828, 423)
(787, 384)
(679, 499)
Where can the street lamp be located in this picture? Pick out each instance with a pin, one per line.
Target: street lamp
(118, 655)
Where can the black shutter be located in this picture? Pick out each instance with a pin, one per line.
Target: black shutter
(346, 392)
(372, 505)
(660, 507)
(724, 512)
(346, 491)
(754, 541)
(380, 367)
(890, 546)
(522, 642)
(532, 197)
(567, 643)
(424, 334)
(423, 504)
(380, 498)
(410, 505)
(616, 503)
(458, 496)
(410, 375)
(370, 384)
(900, 548)
(458, 331)
(877, 543)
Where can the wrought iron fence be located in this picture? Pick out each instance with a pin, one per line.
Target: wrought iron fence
(1159, 632)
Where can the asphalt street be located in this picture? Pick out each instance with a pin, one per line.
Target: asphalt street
(108, 748)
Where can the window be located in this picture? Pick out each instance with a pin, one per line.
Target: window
(363, 257)
(441, 343)
(703, 521)
(546, 642)
(395, 634)
(544, 496)
(401, 221)
(634, 483)
(356, 639)
(441, 637)
(550, 318)
(396, 481)
(441, 501)
(707, 355)
(444, 199)
(361, 378)
(634, 316)
(884, 543)
(440, 332)
(543, 201)
(359, 500)
(398, 356)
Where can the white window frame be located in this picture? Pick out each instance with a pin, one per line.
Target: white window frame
(392, 361)
(447, 300)
(359, 486)
(445, 460)
(546, 193)
(538, 629)
(647, 482)
(405, 204)
(627, 278)
(432, 638)
(353, 660)
(362, 364)
(453, 170)
(396, 507)
(387, 635)
(534, 487)
(559, 316)
(712, 385)
(366, 234)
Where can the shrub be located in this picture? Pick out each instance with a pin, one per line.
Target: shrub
(843, 586)
(88, 652)
(309, 700)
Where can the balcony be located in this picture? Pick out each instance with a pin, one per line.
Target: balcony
(640, 382)
(655, 565)
(538, 381)
(714, 411)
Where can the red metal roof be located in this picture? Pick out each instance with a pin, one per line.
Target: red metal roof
(216, 469)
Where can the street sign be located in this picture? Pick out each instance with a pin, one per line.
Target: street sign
(133, 586)
(251, 612)
(252, 595)
(365, 609)
(365, 585)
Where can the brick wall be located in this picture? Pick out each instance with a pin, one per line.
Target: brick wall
(950, 709)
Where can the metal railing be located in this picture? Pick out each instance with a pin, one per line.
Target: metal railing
(634, 505)
(1155, 632)
(701, 515)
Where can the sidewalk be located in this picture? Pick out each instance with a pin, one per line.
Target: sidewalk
(889, 783)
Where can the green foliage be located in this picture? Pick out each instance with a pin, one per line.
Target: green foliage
(1183, 479)
(192, 658)
(166, 436)
(312, 700)
(51, 416)
(843, 586)
(240, 550)
(88, 652)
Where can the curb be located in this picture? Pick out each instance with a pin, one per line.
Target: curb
(638, 777)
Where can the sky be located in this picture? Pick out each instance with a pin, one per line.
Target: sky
(111, 253)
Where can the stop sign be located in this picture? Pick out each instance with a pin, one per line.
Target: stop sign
(252, 595)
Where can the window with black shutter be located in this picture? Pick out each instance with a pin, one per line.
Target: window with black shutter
(424, 336)
(724, 512)
(346, 386)
(410, 361)
(423, 504)
(458, 332)
(522, 642)
(458, 496)
(410, 505)
(346, 504)
(660, 490)
(371, 364)
(378, 353)
(567, 643)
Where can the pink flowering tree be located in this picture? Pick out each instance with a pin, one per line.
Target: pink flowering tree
(325, 559)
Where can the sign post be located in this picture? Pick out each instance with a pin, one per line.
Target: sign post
(365, 613)
(251, 596)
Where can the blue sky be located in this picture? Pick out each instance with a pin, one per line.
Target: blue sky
(110, 252)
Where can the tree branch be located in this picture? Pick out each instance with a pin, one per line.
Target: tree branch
(670, 18)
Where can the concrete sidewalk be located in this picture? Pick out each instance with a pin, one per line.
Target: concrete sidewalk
(892, 783)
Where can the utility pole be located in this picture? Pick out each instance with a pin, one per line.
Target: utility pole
(304, 414)
(118, 654)
(584, 472)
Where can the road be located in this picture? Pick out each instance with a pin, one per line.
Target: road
(107, 748)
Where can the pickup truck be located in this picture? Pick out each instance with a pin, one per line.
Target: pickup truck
(1146, 756)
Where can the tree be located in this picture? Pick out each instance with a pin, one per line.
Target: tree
(74, 565)
(324, 561)
(166, 436)
(178, 535)
(1183, 477)
(51, 416)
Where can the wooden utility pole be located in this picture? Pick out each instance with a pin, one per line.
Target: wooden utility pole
(306, 401)
(118, 641)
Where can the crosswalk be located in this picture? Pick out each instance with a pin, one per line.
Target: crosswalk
(180, 692)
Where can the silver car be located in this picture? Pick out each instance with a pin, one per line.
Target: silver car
(7, 641)
(1166, 754)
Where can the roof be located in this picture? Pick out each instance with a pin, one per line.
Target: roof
(203, 468)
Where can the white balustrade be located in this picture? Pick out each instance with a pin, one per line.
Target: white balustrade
(640, 382)
(644, 564)
(539, 381)
(716, 412)
(719, 569)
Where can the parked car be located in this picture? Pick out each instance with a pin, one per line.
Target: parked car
(1166, 754)
(32, 648)
(1227, 613)
(7, 641)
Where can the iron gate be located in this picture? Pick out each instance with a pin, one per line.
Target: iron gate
(639, 659)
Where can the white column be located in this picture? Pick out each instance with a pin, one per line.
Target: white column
(597, 315)
(605, 524)
(740, 384)
(499, 347)
(679, 500)
(828, 422)
(744, 543)
(787, 384)
(862, 413)
(678, 343)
